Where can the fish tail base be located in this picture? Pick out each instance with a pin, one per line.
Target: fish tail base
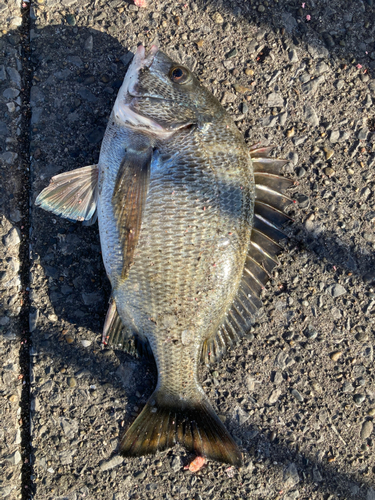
(195, 425)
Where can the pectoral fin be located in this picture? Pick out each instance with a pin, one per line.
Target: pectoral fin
(72, 195)
(129, 200)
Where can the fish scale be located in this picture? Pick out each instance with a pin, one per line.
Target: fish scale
(189, 236)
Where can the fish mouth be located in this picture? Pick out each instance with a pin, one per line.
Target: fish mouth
(140, 61)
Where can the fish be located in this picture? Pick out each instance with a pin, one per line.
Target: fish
(190, 222)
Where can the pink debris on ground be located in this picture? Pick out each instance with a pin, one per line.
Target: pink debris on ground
(140, 3)
(308, 17)
(196, 464)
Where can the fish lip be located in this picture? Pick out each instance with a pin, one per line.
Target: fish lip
(141, 61)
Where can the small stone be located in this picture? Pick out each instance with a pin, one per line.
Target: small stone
(310, 332)
(291, 476)
(293, 56)
(275, 100)
(200, 43)
(336, 355)
(15, 77)
(370, 237)
(112, 463)
(87, 95)
(274, 396)
(312, 85)
(336, 290)
(244, 108)
(363, 133)
(11, 107)
(176, 463)
(269, 121)
(13, 398)
(261, 8)
(297, 141)
(76, 60)
(217, 18)
(241, 88)
(359, 398)
(86, 343)
(72, 382)
(89, 43)
(310, 116)
(290, 132)
(361, 336)
(371, 412)
(69, 338)
(283, 117)
(347, 387)
(321, 68)
(329, 172)
(231, 53)
(303, 200)
(328, 153)
(33, 319)
(14, 459)
(12, 238)
(249, 72)
(301, 172)
(278, 378)
(9, 157)
(334, 136)
(328, 40)
(297, 395)
(366, 430)
(368, 101)
(95, 136)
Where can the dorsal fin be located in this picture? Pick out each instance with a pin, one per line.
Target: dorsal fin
(264, 247)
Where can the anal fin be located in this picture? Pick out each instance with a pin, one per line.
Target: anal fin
(116, 336)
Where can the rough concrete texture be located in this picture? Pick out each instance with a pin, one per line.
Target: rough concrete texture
(13, 239)
(298, 395)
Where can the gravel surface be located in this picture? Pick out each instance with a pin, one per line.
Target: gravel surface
(299, 394)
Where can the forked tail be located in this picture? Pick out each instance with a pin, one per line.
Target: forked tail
(165, 421)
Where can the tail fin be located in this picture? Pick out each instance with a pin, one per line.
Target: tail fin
(164, 421)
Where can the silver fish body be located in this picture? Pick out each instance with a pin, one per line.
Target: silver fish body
(175, 197)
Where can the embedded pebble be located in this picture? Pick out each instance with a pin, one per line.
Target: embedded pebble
(14, 459)
(72, 382)
(217, 18)
(12, 238)
(359, 398)
(293, 56)
(275, 100)
(311, 116)
(297, 395)
(274, 396)
(112, 463)
(291, 476)
(335, 356)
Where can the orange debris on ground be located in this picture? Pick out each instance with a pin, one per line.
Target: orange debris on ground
(196, 464)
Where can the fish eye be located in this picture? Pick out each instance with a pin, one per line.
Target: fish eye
(179, 74)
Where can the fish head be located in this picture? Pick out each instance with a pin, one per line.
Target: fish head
(159, 96)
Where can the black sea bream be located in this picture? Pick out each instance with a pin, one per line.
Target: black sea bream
(188, 221)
